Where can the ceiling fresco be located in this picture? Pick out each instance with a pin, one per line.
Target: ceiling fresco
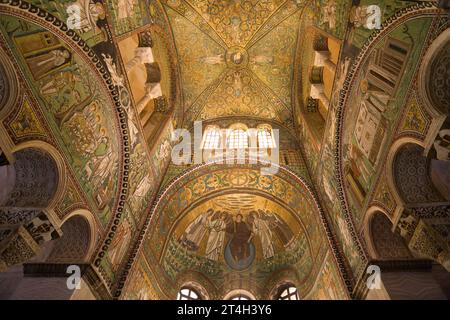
(228, 59)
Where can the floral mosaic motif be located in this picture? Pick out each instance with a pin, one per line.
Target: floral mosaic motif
(415, 120)
(26, 123)
(236, 74)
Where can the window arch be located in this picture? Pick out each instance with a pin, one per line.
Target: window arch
(188, 293)
(237, 136)
(239, 294)
(212, 138)
(288, 292)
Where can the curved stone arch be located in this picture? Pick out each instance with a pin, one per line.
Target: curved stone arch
(398, 249)
(425, 72)
(38, 16)
(9, 86)
(93, 235)
(177, 83)
(367, 228)
(401, 16)
(438, 117)
(389, 169)
(60, 164)
(74, 244)
(236, 292)
(390, 175)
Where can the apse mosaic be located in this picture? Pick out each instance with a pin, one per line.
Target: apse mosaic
(229, 232)
(238, 236)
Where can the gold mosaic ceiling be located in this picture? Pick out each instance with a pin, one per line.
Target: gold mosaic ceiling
(236, 57)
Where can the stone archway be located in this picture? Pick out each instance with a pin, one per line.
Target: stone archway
(387, 244)
(28, 186)
(46, 276)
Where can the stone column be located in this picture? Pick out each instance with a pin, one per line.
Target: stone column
(424, 229)
(26, 241)
(142, 55)
(152, 91)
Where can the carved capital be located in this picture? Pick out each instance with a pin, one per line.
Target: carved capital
(26, 241)
(424, 240)
(21, 248)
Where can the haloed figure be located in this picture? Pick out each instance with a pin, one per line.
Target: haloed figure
(241, 237)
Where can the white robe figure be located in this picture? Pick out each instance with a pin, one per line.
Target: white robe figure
(215, 239)
(261, 228)
(196, 230)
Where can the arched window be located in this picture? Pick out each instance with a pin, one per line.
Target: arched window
(212, 138)
(237, 139)
(187, 293)
(265, 138)
(240, 296)
(288, 293)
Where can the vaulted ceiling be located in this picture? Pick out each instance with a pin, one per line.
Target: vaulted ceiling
(236, 57)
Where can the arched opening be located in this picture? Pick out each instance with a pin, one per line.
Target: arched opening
(48, 275)
(188, 293)
(288, 292)
(412, 176)
(27, 188)
(31, 181)
(387, 244)
(72, 246)
(239, 294)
